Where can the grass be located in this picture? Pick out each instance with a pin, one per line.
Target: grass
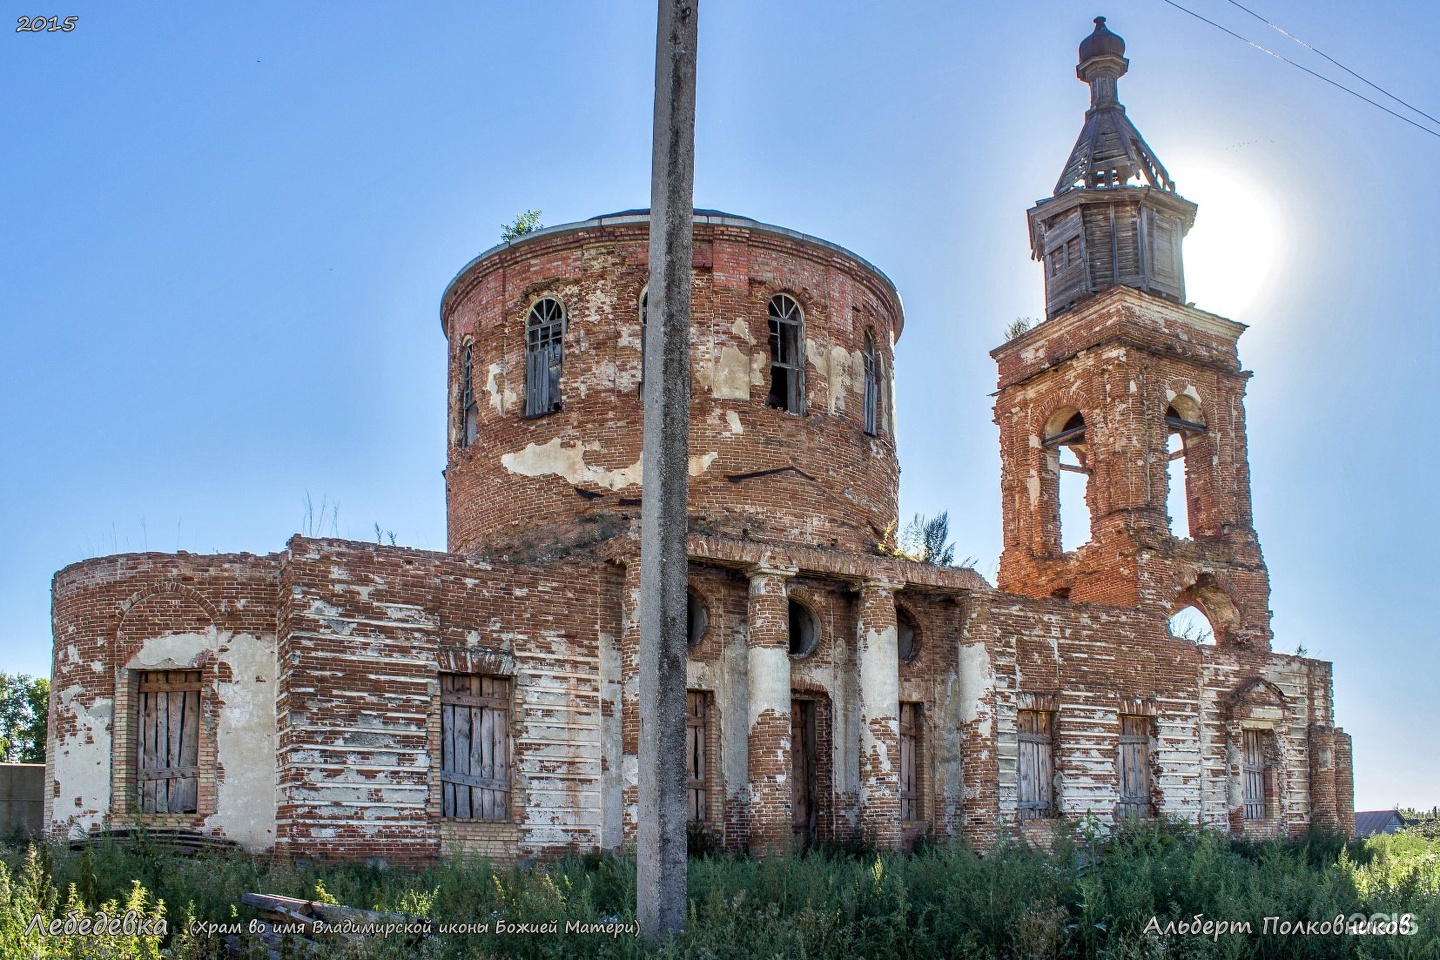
(946, 901)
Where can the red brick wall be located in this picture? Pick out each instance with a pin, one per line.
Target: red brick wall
(836, 485)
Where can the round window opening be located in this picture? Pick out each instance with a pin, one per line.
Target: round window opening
(804, 631)
(906, 637)
(696, 617)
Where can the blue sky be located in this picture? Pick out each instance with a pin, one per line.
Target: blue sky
(227, 228)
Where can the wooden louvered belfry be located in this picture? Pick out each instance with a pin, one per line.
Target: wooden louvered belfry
(1100, 229)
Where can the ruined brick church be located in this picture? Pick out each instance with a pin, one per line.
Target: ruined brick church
(350, 699)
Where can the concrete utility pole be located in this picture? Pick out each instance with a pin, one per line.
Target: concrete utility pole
(660, 879)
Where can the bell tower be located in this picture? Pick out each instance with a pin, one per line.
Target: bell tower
(1132, 389)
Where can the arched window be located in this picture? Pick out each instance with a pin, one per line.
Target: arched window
(804, 630)
(1065, 441)
(1182, 422)
(787, 355)
(872, 386)
(1190, 623)
(907, 636)
(544, 356)
(469, 423)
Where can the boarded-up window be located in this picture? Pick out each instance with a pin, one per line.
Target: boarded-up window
(168, 764)
(909, 761)
(1133, 766)
(695, 759)
(474, 747)
(1037, 771)
(544, 356)
(1253, 771)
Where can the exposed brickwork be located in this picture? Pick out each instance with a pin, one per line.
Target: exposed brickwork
(524, 476)
(321, 719)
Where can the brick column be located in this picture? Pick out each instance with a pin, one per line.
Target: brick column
(1322, 777)
(630, 698)
(879, 669)
(1344, 783)
(768, 648)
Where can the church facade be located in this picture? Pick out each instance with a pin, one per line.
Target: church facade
(348, 699)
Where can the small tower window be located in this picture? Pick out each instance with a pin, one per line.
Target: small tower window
(469, 408)
(1182, 423)
(787, 355)
(872, 386)
(544, 356)
(804, 631)
(1065, 441)
(1190, 623)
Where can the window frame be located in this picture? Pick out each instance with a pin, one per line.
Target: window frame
(1038, 743)
(468, 425)
(1255, 775)
(697, 756)
(545, 356)
(787, 353)
(189, 685)
(912, 756)
(1132, 767)
(484, 697)
(871, 423)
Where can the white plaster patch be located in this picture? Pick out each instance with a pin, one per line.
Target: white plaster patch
(555, 458)
(245, 744)
(769, 682)
(732, 419)
(730, 378)
(742, 330)
(976, 677)
(81, 763)
(496, 386)
(176, 651)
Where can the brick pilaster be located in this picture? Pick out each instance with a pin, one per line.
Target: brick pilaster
(768, 743)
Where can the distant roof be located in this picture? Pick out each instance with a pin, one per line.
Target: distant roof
(1370, 822)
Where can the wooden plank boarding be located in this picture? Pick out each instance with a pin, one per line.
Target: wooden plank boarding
(474, 744)
(168, 741)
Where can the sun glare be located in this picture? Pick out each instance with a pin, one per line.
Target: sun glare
(1234, 252)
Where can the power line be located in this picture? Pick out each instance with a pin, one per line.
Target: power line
(1318, 76)
(1368, 83)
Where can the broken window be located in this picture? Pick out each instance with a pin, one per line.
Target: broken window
(1065, 441)
(474, 746)
(787, 355)
(697, 618)
(804, 631)
(1181, 424)
(469, 409)
(544, 356)
(906, 636)
(1253, 770)
(1037, 771)
(872, 386)
(168, 734)
(910, 714)
(696, 710)
(1132, 766)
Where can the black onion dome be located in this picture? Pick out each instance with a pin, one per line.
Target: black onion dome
(1101, 43)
